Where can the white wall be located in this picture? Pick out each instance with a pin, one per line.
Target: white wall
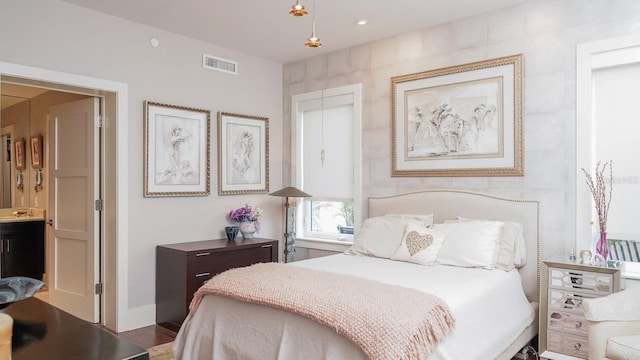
(546, 32)
(56, 35)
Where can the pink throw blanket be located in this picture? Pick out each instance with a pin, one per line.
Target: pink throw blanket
(385, 321)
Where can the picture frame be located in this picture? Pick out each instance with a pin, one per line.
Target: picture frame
(35, 142)
(177, 140)
(19, 145)
(243, 154)
(463, 120)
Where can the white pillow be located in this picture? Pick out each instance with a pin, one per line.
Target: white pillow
(520, 258)
(419, 245)
(426, 219)
(379, 236)
(513, 250)
(470, 244)
(516, 230)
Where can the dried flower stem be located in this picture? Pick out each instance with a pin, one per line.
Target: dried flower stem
(601, 196)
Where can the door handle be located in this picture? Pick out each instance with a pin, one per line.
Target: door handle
(50, 222)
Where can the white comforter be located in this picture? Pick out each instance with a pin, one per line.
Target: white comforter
(489, 306)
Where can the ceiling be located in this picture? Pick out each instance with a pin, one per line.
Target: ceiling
(13, 94)
(265, 29)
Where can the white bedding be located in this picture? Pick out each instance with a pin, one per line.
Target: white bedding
(489, 306)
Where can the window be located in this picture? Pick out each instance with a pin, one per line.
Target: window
(327, 161)
(607, 129)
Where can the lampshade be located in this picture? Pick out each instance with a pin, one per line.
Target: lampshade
(298, 9)
(313, 41)
(290, 191)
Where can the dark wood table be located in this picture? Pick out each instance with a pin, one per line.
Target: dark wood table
(42, 331)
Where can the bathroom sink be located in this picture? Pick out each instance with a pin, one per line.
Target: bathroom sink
(6, 219)
(17, 288)
(21, 214)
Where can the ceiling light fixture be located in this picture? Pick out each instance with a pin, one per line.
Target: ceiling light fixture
(298, 9)
(313, 41)
(360, 22)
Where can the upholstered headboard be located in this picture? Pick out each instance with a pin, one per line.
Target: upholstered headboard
(449, 204)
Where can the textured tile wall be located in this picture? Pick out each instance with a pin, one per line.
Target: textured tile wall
(546, 32)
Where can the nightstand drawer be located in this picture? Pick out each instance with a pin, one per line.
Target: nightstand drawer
(597, 284)
(567, 301)
(568, 344)
(567, 322)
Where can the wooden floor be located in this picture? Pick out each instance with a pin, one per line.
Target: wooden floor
(145, 337)
(149, 336)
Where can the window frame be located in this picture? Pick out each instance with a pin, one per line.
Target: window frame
(321, 241)
(591, 57)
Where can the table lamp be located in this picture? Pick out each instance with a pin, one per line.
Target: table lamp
(289, 219)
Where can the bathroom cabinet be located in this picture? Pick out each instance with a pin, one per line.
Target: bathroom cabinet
(22, 249)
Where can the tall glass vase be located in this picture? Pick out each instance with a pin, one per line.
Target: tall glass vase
(602, 246)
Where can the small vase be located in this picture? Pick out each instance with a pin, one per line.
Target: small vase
(231, 232)
(602, 246)
(247, 229)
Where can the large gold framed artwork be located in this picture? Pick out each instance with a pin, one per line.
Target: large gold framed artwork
(463, 120)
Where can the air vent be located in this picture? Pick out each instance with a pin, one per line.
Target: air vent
(219, 64)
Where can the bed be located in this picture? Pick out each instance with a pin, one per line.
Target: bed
(495, 311)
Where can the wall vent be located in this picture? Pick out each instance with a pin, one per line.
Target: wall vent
(215, 63)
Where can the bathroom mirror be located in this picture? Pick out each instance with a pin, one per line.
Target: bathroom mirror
(5, 173)
(15, 127)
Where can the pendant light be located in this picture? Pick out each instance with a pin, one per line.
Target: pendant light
(313, 41)
(298, 9)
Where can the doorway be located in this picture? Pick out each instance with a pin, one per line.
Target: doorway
(113, 250)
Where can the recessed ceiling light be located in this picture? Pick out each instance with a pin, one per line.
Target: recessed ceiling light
(360, 22)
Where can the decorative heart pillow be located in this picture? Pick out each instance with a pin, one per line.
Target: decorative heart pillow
(416, 242)
(419, 245)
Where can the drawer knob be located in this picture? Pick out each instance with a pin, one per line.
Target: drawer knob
(577, 346)
(578, 324)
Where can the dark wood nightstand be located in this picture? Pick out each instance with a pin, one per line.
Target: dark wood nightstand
(182, 268)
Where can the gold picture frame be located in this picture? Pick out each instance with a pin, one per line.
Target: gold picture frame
(243, 154)
(463, 120)
(19, 146)
(177, 142)
(36, 151)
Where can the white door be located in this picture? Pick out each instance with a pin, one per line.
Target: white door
(74, 242)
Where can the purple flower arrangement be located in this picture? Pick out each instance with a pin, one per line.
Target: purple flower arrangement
(247, 214)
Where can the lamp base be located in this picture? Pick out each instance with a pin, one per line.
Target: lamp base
(289, 248)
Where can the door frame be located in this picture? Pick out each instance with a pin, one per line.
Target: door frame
(114, 217)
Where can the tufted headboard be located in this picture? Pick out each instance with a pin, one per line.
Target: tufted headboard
(449, 204)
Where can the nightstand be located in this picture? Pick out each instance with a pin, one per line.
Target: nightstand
(182, 268)
(563, 285)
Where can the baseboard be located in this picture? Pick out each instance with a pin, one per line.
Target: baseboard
(141, 317)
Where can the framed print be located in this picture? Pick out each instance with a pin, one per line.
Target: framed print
(176, 150)
(463, 120)
(36, 151)
(19, 151)
(243, 154)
